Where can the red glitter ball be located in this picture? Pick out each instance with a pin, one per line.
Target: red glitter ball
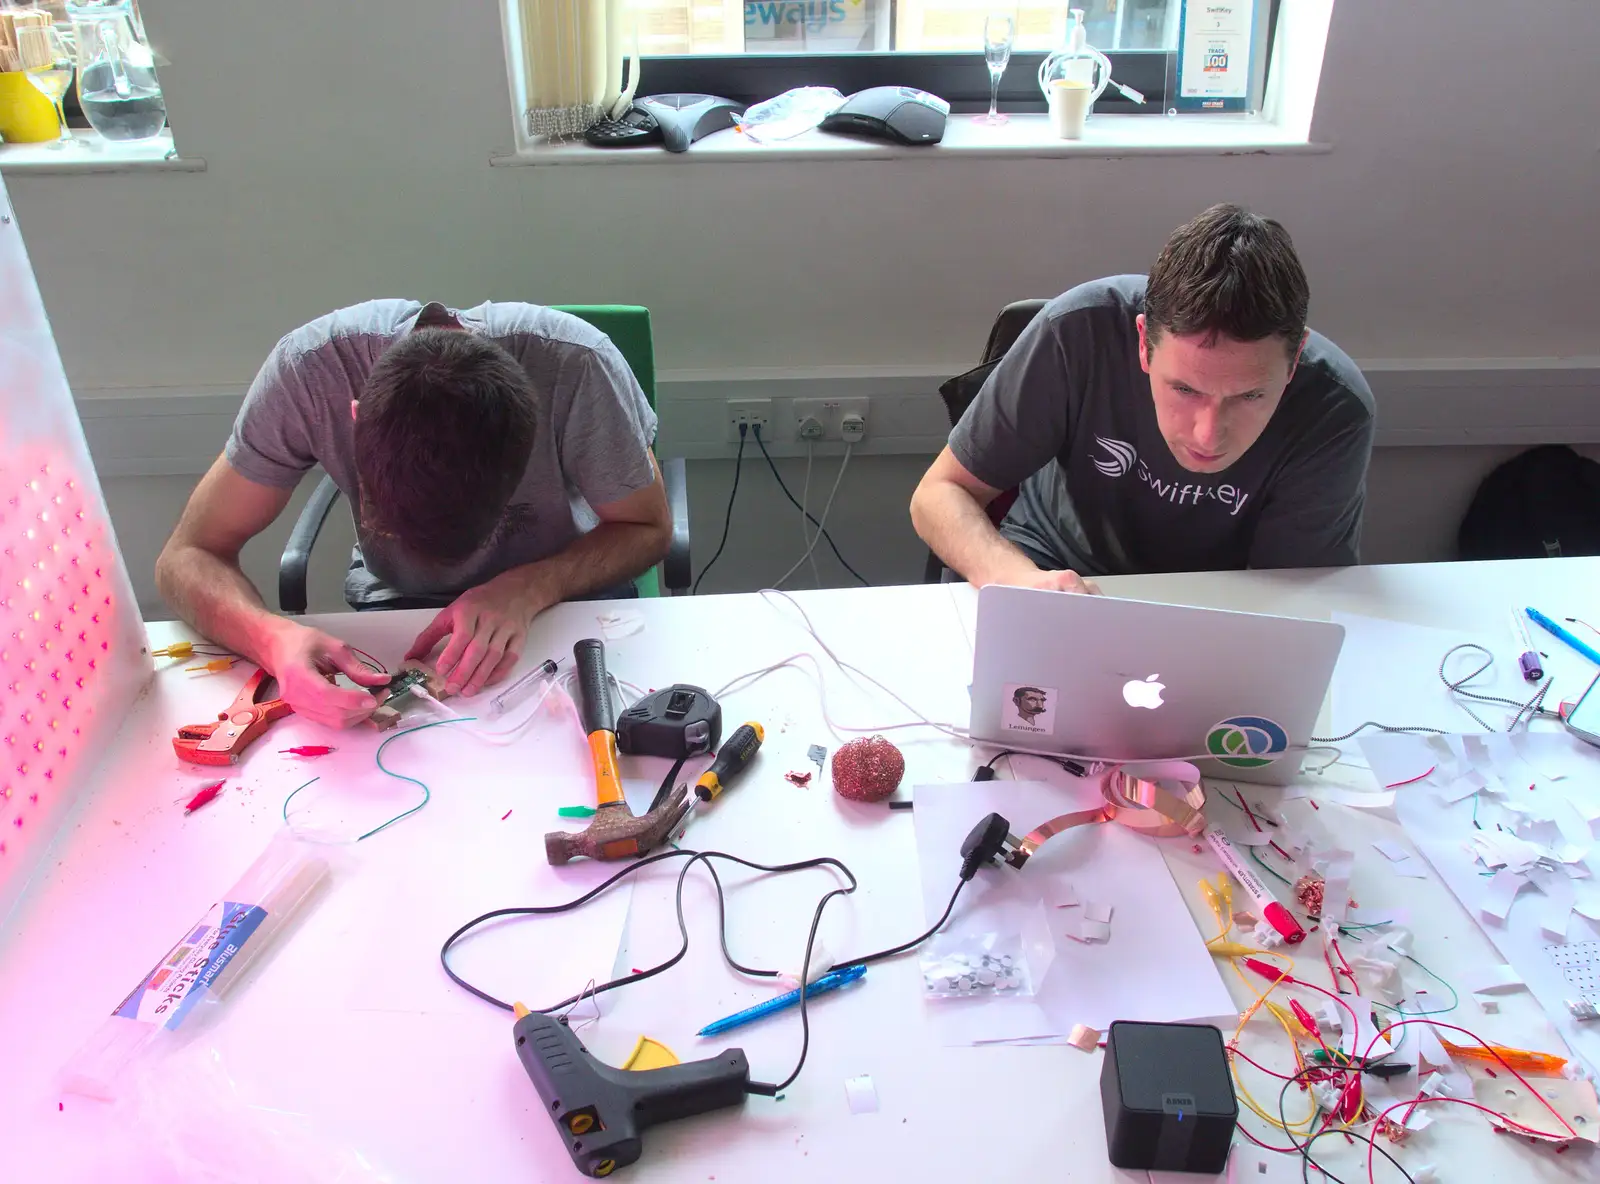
(868, 769)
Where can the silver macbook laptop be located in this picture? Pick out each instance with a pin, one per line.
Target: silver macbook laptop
(1128, 679)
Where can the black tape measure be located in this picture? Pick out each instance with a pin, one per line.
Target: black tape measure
(679, 721)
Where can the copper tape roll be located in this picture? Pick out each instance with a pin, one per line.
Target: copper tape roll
(1162, 799)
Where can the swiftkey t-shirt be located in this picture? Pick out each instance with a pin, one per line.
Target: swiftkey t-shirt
(1068, 417)
(592, 433)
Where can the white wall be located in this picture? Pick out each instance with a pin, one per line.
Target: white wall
(347, 148)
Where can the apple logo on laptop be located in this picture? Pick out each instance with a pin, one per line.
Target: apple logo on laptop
(1145, 693)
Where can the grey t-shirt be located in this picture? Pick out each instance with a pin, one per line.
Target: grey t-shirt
(594, 428)
(1068, 416)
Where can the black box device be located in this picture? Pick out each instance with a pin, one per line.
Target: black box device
(1168, 1097)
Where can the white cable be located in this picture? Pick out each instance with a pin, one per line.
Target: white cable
(805, 517)
(743, 681)
(822, 524)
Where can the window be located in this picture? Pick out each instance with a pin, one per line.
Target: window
(753, 49)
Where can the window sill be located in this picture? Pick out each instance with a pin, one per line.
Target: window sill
(1025, 136)
(94, 154)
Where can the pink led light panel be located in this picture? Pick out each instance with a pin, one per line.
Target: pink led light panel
(57, 615)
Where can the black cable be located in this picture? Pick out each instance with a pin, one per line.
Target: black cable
(1067, 763)
(693, 858)
(892, 951)
(727, 521)
(865, 583)
(1307, 1162)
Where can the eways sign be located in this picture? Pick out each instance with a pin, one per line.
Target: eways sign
(832, 25)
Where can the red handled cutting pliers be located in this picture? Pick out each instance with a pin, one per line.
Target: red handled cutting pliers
(222, 742)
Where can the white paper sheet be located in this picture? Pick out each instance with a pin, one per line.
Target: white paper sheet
(1153, 967)
(1443, 832)
(1389, 672)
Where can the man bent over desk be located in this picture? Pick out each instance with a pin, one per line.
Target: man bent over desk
(497, 461)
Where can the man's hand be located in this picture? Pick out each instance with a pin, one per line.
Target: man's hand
(1056, 581)
(301, 658)
(486, 626)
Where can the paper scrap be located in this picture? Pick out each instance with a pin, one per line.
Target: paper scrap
(1493, 980)
(1574, 1101)
(1065, 896)
(1559, 897)
(1500, 892)
(1400, 943)
(1087, 930)
(1430, 1050)
(1391, 850)
(1095, 911)
(1084, 1037)
(1364, 1040)
(620, 623)
(1412, 868)
(1463, 786)
(1502, 849)
(861, 1094)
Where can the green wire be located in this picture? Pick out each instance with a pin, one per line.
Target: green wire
(427, 794)
(1455, 999)
(290, 798)
(1268, 868)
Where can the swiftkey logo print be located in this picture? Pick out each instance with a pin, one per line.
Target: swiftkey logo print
(1247, 742)
(1122, 459)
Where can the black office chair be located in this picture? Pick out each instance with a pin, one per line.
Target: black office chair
(959, 392)
(628, 326)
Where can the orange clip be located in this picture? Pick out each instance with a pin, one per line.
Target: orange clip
(222, 742)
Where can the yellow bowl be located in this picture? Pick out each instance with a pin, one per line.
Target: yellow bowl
(26, 116)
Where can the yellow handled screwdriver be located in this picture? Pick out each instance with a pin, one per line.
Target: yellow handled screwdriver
(732, 757)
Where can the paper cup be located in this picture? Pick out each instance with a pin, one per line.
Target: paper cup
(1069, 107)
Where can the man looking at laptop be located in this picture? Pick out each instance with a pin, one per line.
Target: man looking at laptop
(1184, 421)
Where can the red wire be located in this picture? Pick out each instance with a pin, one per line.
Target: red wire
(1411, 780)
(1415, 1102)
(1495, 1053)
(1300, 982)
(370, 660)
(1258, 1065)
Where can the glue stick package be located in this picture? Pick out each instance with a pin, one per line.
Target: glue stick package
(197, 971)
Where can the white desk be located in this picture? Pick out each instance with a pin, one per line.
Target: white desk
(349, 1056)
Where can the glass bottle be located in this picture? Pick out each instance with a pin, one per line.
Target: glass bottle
(117, 85)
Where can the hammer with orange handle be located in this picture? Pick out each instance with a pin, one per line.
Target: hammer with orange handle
(615, 832)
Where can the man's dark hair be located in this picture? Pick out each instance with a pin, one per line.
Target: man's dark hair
(443, 435)
(1228, 273)
(1016, 695)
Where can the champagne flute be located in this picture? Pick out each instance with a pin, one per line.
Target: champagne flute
(48, 62)
(999, 35)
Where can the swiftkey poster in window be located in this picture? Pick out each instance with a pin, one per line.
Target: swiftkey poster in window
(1215, 38)
(825, 26)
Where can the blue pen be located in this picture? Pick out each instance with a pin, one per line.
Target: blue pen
(831, 981)
(1549, 626)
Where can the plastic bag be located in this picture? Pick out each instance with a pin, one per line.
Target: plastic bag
(984, 964)
(789, 114)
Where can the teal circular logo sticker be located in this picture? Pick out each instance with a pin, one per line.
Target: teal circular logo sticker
(1247, 742)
